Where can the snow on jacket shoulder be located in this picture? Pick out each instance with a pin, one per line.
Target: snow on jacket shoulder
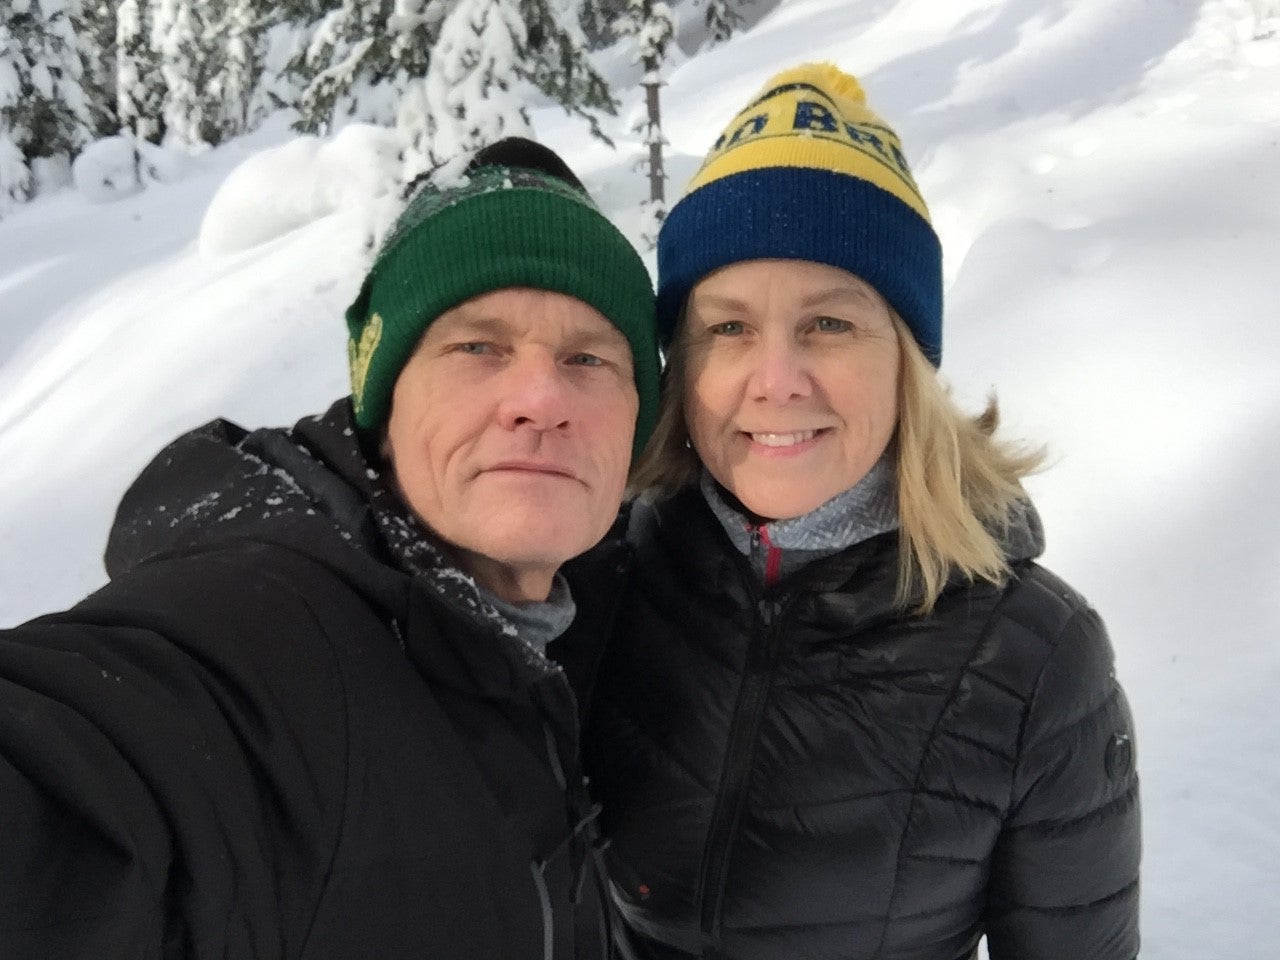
(806, 772)
(260, 740)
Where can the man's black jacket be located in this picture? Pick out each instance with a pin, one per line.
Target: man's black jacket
(263, 740)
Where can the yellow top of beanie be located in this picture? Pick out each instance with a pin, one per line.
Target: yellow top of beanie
(813, 116)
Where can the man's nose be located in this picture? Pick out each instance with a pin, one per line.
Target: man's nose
(536, 393)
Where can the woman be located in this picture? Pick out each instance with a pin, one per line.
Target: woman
(846, 714)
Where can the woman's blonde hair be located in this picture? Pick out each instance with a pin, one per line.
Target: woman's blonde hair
(958, 486)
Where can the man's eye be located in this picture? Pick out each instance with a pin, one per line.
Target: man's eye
(585, 360)
(831, 325)
(473, 347)
(730, 328)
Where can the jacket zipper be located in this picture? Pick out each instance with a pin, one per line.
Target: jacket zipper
(743, 730)
(772, 555)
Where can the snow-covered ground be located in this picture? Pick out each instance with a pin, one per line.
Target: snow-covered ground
(1105, 175)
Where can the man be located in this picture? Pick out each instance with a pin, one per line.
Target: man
(312, 714)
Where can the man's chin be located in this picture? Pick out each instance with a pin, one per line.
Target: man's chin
(536, 546)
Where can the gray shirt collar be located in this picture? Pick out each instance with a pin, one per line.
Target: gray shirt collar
(537, 623)
(779, 548)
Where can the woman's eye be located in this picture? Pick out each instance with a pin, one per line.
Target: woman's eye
(831, 325)
(730, 328)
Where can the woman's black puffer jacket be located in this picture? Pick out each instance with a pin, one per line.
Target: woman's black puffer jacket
(805, 772)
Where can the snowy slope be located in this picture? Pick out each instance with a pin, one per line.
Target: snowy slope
(1105, 175)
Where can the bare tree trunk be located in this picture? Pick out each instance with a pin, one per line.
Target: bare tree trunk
(657, 176)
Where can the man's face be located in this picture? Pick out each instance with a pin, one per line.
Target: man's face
(510, 434)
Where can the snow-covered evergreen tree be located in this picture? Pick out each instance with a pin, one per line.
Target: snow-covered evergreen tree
(414, 26)
(341, 66)
(177, 32)
(94, 23)
(468, 97)
(16, 182)
(722, 19)
(236, 43)
(555, 60)
(361, 58)
(43, 113)
(140, 91)
(595, 19)
(285, 30)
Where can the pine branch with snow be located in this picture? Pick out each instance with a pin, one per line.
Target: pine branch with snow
(236, 39)
(348, 67)
(94, 25)
(176, 32)
(555, 60)
(139, 84)
(43, 111)
(470, 95)
(722, 18)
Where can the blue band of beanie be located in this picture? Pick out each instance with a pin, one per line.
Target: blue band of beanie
(797, 213)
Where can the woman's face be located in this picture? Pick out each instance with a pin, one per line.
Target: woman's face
(791, 387)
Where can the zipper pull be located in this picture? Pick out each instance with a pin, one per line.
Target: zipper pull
(766, 609)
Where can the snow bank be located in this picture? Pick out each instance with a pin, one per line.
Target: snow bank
(279, 190)
(116, 167)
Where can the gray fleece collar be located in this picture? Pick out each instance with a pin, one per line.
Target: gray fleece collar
(537, 623)
(867, 509)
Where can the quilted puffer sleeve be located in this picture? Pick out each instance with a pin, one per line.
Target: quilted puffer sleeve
(164, 789)
(1064, 882)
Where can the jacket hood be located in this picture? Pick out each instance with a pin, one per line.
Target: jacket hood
(308, 488)
(1022, 538)
(317, 490)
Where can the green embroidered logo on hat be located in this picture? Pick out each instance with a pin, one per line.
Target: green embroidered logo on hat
(359, 355)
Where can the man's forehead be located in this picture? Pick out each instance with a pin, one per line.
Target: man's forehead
(518, 310)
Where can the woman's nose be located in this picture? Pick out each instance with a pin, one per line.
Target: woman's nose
(780, 373)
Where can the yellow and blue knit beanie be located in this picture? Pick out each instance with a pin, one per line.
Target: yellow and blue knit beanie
(520, 218)
(808, 172)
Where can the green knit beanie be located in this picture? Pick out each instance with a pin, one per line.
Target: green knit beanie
(519, 219)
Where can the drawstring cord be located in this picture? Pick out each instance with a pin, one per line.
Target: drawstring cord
(553, 754)
(581, 853)
(544, 898)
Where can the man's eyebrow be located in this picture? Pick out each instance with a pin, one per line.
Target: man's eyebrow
(483, 323)
(597, 337)
(491, 325)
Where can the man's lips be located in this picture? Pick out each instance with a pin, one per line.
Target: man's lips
(534, 467)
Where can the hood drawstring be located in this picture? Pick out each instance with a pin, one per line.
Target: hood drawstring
(576, 840)
(578, 843)
(544, 898)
